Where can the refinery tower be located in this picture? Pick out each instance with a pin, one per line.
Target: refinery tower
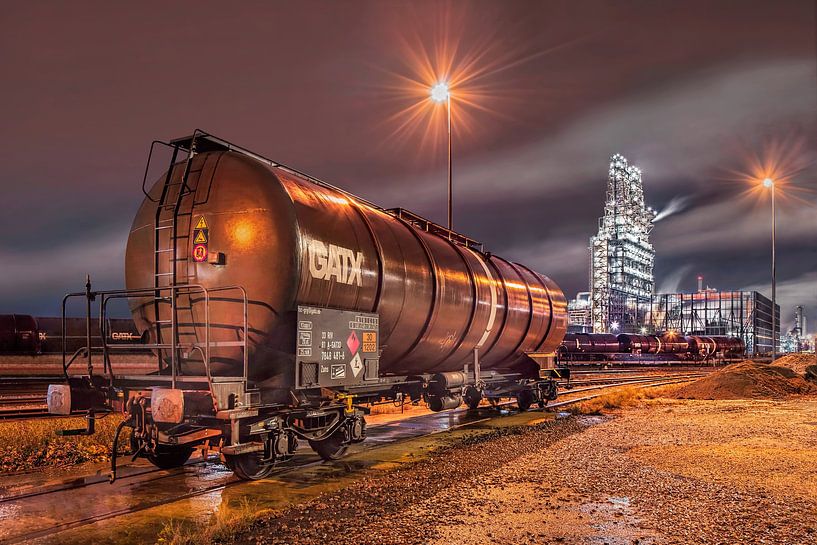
(621, 256)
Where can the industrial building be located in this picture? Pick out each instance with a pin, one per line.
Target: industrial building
(621, 256)
(744, 314)
(579, 315)
(797, 339)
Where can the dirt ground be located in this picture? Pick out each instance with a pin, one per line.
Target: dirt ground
(664, 472)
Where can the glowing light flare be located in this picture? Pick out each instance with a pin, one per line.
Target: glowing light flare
(776, 165)
(440, 92)
(479, 71)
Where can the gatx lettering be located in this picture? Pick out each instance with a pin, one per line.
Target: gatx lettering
(329, 261)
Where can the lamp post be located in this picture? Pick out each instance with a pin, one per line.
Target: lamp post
(768, 183)
(441, 93)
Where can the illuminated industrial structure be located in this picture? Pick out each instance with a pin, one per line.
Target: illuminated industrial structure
(800, 321)
(797, 340)
(621, 256)
(744, 314)
(579, 318)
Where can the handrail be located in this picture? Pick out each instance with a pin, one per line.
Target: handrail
(174, 345)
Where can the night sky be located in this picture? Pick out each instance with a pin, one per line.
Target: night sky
(701, 95)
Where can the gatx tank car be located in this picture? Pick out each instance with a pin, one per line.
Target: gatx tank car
(279, 305)
(29, 335)
(630, 347)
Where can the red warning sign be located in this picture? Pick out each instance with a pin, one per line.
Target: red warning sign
(199, 253)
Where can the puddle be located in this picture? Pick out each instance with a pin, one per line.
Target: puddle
(593, 419)
(393, 443)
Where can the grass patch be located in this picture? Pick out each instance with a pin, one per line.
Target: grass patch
(627, 396)
(33, 443)
(225, 526)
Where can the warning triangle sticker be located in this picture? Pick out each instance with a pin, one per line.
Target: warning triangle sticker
(201, 238)
(202, 224)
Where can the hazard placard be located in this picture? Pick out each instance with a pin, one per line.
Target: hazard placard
(199, 253)
(370, 341)
(201, 237)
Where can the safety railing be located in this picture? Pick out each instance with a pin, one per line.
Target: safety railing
(104, 297)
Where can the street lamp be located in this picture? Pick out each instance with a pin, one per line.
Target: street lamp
(441, 93)
(768, 183)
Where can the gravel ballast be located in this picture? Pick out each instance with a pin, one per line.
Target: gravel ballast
(667, 471)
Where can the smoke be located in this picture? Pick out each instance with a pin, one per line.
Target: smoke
(672, 282)
(677, 204)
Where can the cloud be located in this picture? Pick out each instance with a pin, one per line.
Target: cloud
(672, 282)
(801, 290)
(675, 134)
(35, 281)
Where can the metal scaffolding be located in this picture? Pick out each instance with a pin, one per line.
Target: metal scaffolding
(621, 256)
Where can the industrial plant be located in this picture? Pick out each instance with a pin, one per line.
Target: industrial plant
(621, 256)
(622, 296)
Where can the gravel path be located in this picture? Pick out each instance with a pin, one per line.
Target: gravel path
(667, 472)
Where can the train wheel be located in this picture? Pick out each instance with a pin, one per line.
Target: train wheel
(332, 448)
(524, 399)
(249, 466)
(167, 457)
(472, 398)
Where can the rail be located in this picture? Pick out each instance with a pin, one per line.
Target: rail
(174, 346)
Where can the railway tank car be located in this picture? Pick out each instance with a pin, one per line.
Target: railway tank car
(277, 303)
(290, 242)
(632, 347)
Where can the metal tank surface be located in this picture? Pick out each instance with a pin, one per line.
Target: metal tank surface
(290, 241)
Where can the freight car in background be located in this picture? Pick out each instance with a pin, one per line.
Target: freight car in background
(669, 347)
(28, 335)
(18, 334)
(280, 305)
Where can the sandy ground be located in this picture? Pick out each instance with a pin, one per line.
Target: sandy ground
(666, 472)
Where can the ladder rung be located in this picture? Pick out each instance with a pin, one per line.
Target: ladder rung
(160, 227)
(164, 274)
(164, 250)
(163, 321)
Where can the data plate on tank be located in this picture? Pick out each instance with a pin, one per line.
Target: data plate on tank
(336, 347)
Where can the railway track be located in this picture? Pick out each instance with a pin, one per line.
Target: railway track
(165, 485)
(24, 397)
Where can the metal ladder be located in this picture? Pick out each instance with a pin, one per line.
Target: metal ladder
(171, 221)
